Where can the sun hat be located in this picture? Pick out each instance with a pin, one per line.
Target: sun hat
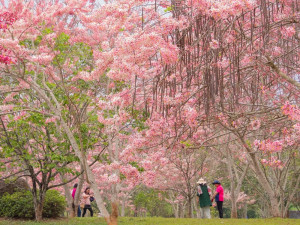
(216, 182)
(201, 181)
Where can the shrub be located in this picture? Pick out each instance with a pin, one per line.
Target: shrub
(20, 205)
(55, 204)
(17, 205)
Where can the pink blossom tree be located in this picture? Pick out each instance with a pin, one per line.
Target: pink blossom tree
(237, 67)
(176, 71)
(69, 72)
(31, 149)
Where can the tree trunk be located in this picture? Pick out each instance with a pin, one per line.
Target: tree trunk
(275, 212)
(182, 210)
(273, 202)
(113, 218)
(175, 209)
(123, 208)
(176, 212)
(38, 211)
(233, 192)
(68, 194)
(190, 205)
(71, 210)
(233, 202)
(197, 208)
(246, 211)
(38, 202)
(135, 212)
(78, 192)
(233, 209)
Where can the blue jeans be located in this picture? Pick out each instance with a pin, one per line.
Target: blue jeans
(79, 211)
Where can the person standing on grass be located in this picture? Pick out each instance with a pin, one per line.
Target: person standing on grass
(219, 197)
(86, 198)
(203, 192)
(73, 196)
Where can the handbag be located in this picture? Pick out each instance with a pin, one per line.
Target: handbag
(92, 199)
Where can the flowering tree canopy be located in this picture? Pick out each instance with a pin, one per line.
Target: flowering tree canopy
(132, 91)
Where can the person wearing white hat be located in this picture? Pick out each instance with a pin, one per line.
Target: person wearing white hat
(203, 192)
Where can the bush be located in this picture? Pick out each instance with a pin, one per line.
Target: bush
(20, 205)
(17, 205)
(55, 204)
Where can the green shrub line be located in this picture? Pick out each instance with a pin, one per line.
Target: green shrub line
(20, 205)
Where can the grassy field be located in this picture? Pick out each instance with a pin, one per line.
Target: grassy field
(156, 221)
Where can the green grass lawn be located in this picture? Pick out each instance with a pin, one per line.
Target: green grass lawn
(156, 221)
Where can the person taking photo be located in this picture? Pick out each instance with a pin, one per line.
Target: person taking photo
(86, 198)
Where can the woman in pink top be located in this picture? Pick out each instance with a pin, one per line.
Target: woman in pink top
(73, 196)
(86, 196)
(219, 197)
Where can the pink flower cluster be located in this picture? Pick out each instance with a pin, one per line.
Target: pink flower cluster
(51, 120)
(291, 110)
(6, 107)
(9, 97)
(273, 162)
(214, 44)
(223, 8)
(20, 116)
(6, 19)
(223, 118)
(269, 146)
(288, 32)
(4, 58)
(255, 124)
(169, 54)
(130, 172)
